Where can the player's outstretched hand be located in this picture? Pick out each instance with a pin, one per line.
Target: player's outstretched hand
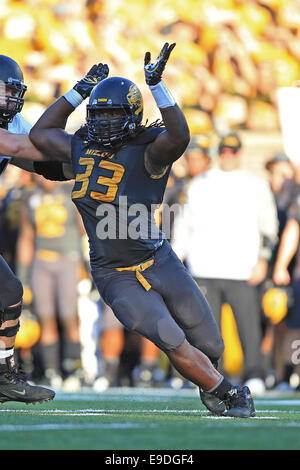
(95, 75)
(153, 71)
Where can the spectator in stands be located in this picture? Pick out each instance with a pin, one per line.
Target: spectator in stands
(275, 300)
(286, 272)
(226, 232)
(198, 155)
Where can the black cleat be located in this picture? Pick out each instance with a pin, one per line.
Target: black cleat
(250, 401)
(212, 403)
(15, 388)
(239, 403)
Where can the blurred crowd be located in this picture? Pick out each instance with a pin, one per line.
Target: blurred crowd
(231, 57)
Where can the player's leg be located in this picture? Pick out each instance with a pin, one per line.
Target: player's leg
(192, 313)
(186, 303)
(10, 309)
(146, 313)
(12, 386)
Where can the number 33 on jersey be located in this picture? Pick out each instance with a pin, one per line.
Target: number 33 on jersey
(110, 183)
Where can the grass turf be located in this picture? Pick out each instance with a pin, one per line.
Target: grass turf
(132, 419)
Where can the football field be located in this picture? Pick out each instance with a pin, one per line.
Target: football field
(146, 419)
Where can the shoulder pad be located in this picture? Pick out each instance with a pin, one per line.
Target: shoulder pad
(19, 125)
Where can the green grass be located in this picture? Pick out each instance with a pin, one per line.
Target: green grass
(121, 419)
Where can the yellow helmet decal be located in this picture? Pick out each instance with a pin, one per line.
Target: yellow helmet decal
(134, 98)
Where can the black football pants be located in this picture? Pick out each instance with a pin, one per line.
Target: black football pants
(172, 310)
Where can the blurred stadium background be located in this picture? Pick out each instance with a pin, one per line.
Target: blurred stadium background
(231, 55)
(231, 58)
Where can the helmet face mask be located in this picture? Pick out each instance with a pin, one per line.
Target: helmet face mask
(11, 100)
(110, 131)
(12, 89)
(114, 113)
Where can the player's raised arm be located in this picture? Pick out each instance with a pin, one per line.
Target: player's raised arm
(49, 134)
(171, 144)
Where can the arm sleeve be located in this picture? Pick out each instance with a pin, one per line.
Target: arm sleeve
(51, 170)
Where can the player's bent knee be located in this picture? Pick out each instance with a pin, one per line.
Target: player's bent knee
(214, 350)
(212, 346)
(11, 293)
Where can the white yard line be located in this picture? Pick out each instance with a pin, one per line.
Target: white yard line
(69, 427)
(107, 412)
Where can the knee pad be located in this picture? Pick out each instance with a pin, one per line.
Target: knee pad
(10, 313)
(170, 335)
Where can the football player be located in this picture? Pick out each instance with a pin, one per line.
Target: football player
(119, 165)
(13, 386)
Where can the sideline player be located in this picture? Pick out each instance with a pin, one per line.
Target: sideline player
(115, 158)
